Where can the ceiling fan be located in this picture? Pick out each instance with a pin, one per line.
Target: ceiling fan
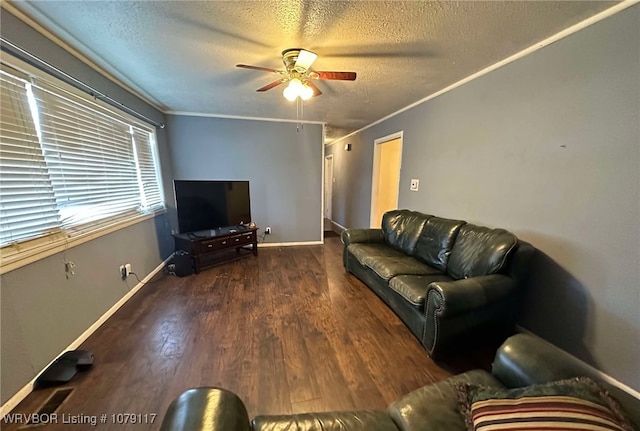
(298, 74)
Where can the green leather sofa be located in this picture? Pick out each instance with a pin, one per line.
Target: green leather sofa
(523, 360)
(447, 280)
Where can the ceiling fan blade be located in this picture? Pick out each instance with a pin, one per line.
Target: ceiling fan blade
(314, 87)
(264, 69)
(305, 59)
(342, 76)
(270, 86)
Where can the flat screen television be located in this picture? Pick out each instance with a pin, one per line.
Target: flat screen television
(205, 205)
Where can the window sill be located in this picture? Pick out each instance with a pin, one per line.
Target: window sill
(13, 259)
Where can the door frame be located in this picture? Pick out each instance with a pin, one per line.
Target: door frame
(328, 192)
(376, 172)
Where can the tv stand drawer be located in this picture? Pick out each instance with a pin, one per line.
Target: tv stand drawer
(206, 251)
(245, 238)
(226, 242)
(213, 244)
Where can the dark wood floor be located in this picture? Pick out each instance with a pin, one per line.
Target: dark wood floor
(288, 331)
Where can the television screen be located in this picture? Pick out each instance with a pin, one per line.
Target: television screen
(204, 205)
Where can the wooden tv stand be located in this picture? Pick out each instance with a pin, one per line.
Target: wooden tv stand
(211, 247)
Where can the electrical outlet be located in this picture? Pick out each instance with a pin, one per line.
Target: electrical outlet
(127, 266)
(415, 183)
(267, 230)
(123, 272)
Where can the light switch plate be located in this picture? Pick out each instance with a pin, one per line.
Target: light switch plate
(415, 183)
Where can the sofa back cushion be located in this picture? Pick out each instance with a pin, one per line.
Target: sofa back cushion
(479, 251)
(401, 229)
(436, 241)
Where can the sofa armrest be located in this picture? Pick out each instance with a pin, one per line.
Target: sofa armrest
(451, 298)
(350, 236)
(525, 360)
(210, 409)
(434, 407)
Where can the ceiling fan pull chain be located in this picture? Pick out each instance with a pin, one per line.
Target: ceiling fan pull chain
(297, 115)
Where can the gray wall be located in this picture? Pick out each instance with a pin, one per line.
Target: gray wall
(548, 147)
(42, 311)
(283, 166)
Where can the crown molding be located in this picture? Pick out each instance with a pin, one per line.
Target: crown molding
(619, 7)
(241, 117)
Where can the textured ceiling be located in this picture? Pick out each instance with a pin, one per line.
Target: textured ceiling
(182, 54)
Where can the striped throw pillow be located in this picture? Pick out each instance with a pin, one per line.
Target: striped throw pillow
(578, 404)
(542, 413)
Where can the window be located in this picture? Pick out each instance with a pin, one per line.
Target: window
(27, 203)
(68, 165)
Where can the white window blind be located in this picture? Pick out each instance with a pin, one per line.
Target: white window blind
(89, 155)
(69, 165)
(27, 204)
(145, 146)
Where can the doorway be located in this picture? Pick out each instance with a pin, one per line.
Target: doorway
(385, 185)
(328, 186)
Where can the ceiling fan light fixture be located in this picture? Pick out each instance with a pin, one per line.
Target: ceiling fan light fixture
(298, 76)
(297, 84)
(290, 93)
(297, 89)
(293, 90)
(306, 92)
(305, 59)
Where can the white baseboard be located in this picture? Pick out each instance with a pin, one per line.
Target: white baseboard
(288, 244)
(605, 377)
(339, 225)
(26, 390)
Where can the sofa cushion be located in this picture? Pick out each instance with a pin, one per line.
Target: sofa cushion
(413, 288)
(401, 229)
(363, 250)
(578, 403)
(363, 420)
(436, 241)
(388, 267)
(434, 407)
(479, 250)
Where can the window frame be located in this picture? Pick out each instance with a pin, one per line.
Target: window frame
(18, 254)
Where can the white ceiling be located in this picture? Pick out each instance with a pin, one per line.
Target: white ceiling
(181, 55)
